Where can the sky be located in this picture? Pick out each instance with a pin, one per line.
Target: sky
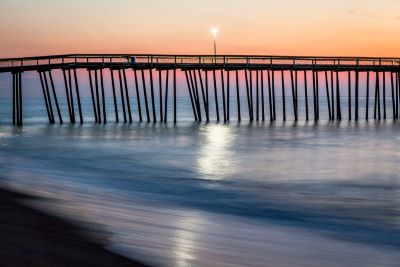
(262, 27)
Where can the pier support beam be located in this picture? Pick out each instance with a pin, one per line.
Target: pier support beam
(204, 93)
(338, 105)
(98, 96)
(393, 96)
(128, 102)
(305, 93)
(367, 99)
(271, 111)
(238, 96)
(357, 94)
(145, 96)
(55, 98)
(121, 89)
(384, 93)
(137, 95)
(102, 96)
(175, 94)
(283, 95)
(92, 94)
(153, 105)
(294, 95)
(17, 98)
(114, 95)
(79, 98)
(273, 94)
(192, 101)
(166, 96)
(327, 94)
(248, 95)
(216, 94)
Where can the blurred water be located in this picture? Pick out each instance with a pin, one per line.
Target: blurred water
(261, 194)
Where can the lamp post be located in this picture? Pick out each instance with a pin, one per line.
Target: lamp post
(214, 32)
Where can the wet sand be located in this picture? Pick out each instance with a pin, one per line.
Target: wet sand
(29, 237)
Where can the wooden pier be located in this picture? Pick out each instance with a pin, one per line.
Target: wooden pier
(260, 84)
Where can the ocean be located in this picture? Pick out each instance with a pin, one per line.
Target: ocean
(217, 194)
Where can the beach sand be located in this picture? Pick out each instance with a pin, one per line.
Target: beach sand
(29, 237)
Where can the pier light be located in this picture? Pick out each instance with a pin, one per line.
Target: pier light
(214, 32)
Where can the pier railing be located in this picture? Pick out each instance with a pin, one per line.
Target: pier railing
(198, 60)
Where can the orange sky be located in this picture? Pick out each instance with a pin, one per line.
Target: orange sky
(289, 27)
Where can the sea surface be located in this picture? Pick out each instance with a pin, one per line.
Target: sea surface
(216, 194)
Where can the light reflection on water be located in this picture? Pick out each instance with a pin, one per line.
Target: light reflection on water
(221, 195)
(215, 159)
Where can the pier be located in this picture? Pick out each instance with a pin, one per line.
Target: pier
(262, 88)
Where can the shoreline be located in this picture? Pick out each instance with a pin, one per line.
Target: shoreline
(30, 237)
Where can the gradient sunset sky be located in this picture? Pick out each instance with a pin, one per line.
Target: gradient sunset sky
(289, 27)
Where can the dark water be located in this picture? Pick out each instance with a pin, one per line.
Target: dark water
(261, 194)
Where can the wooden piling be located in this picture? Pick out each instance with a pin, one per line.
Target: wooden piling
(248, 95)
(327, 94)
(393, 96)
(338, 107)
(205, 98)
(317, 92)
(262, 96)
(114, 95)
(379, 97)
(305, 94)
(145, 96)
(367, 100)
(166, 96)
(223, 94)
(138, 95)
(384, 94)
(251, 94)
(227, 95)
(92, 94)
(98, 96)
(55, 98)
(103, 96)
(349, 94)
(332, 97)
(195, 95)
(271, 112)
(314, 96)
(160, 95)
(294, 95)
(273, 94)
(257, 95)
(152, 96)
(216, 95)
(14, 93)
(48, 97)
(356, 93)
(397, 93)
(191, 96)
(20, 98)
(128, 102)
(175, 95)
(121, 89)
(202, 91)
(284, 97)
(71, 96)
(16, 100)
(79, 98)
(238, 96)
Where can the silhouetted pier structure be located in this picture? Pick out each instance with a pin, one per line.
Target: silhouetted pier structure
(260, 84)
